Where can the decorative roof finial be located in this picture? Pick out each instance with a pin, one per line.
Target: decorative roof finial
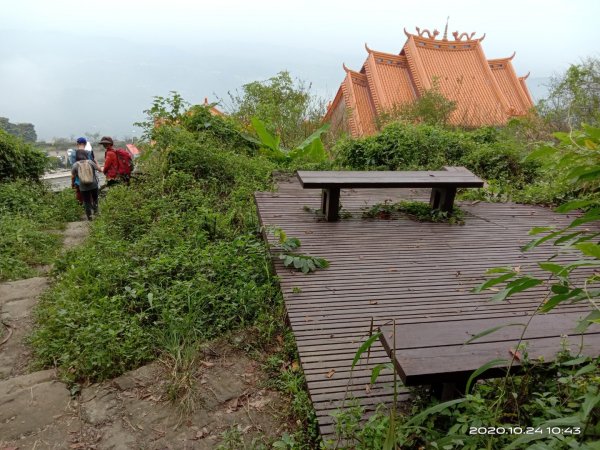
(367, 48)
(445, 38)
(510, 58)
(345, 68)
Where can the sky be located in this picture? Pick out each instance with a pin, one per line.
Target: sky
(75, 67)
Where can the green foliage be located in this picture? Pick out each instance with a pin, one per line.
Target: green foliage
(164, 111)
(288, 107)
(19, 159)
(431, 108)
(486, 152)
(186, 261)
(290, 258)
(25, 131)
(574, 97)
(225, 130)
(564, 394)
(310, 150)
(404, 147)
(30, 219)
(419, 211)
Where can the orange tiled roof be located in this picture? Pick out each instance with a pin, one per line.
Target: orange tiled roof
(485, 92)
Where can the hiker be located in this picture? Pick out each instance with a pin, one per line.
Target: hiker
(84, 170)
(117, 163)
(82, 144)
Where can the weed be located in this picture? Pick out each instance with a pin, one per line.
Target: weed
(419, 211)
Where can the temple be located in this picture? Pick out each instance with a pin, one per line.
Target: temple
(486, 92)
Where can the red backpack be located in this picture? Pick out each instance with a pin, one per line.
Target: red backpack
(125, 162)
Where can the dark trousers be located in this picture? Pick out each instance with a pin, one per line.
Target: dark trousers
(90, 201)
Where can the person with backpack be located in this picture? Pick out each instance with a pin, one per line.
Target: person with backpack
(82, 144)
(84, 170)
(118, 163)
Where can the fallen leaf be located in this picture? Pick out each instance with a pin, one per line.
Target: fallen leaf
(295, 366)
(330, 373)
(373, 302)
(279, 339)
(367, 388)
(517, 269)
(207, 364)
(392, 270)
(515, 353)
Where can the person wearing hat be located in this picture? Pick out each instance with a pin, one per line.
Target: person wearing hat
(111, 162)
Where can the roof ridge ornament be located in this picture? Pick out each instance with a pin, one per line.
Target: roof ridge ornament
(368, 49)
(430, 35)
(445, 37)
(510, 58)
(346, 68)
(526, 76)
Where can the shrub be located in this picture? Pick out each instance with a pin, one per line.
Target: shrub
(501, 161)
(404, 147)
(30, 217)
(19, 159)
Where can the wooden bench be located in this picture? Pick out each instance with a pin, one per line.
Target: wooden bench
(435, 353)
(443, 184)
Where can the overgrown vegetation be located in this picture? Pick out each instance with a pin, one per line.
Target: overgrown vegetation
(31, 216)
(19, 159)
(187, 262)
(419, 211)
(288, 106)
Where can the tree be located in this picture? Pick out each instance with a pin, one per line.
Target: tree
(19, 159)
(286, 105)
(574, 97)
(25, 131)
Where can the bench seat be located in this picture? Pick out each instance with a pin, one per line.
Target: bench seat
(442, 182)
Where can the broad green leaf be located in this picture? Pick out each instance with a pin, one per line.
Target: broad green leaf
(266, 138)
(515, 287)
(575, 361)
(589, 249)
(494, 281)
(486, 366)
(559, 298)
(586, 369)
(554, 268)
(541, 240)
(364, 347)
(541, 153)
(492, 330)
(418, 419)
(591, 174)
(590, 216)
(587, 321)
(574, 204)
(538, 230)
(377, 370)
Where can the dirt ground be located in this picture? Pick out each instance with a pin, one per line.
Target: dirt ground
(133, 411)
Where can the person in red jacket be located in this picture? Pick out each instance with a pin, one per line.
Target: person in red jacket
(111, 163)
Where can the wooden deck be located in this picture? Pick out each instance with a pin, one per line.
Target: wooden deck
(390, 269)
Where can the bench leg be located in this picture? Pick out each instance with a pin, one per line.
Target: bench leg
(449, 391)
(330, 204)
(442, 199)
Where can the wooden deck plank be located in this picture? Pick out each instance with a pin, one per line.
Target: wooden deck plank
(381, 270)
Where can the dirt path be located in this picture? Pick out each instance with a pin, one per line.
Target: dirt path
(37, 411)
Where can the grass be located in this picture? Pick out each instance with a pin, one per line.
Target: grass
(31, 217)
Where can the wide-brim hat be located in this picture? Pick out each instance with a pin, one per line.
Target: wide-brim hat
(106, 140)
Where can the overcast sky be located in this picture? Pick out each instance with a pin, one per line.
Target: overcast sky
(74, 66)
